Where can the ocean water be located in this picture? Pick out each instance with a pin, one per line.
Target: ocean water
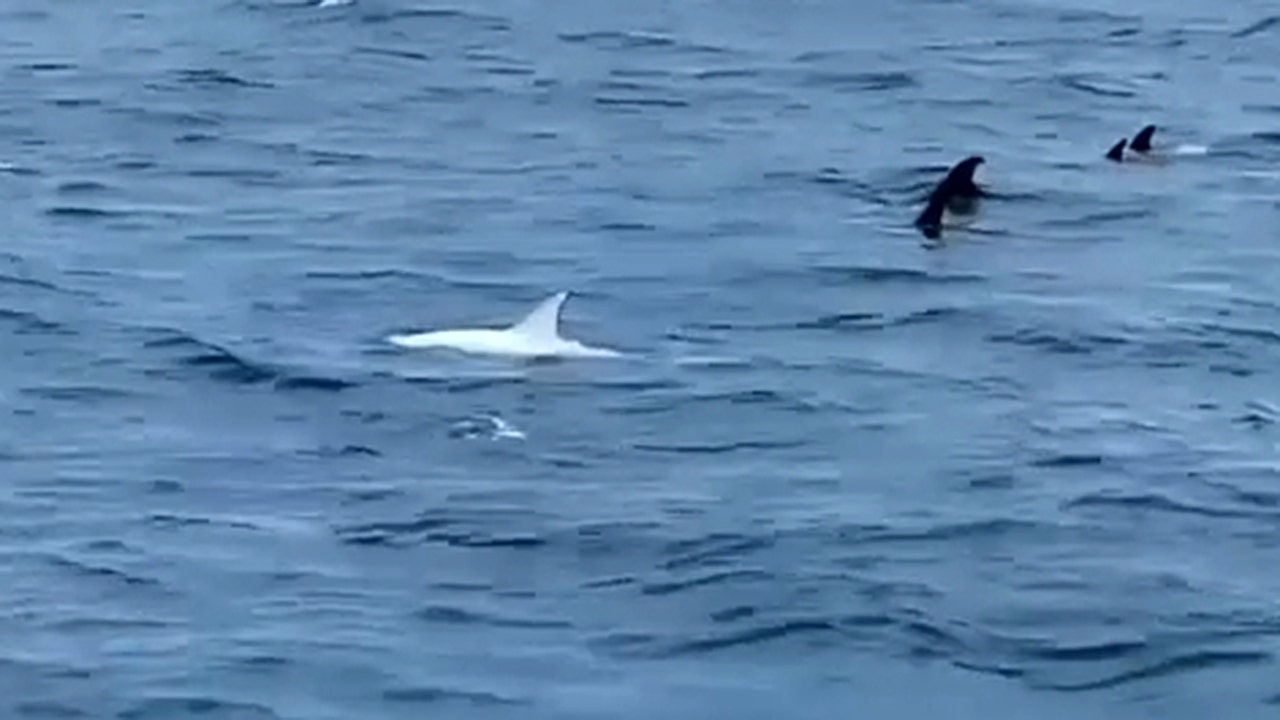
(1029, 472)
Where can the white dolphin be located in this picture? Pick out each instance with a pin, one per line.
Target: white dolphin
(537, 335)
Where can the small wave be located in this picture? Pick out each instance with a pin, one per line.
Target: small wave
(110, 624)
(726, 74)
(195, 138)
(758, 635)
(393, 533)
(942, 532)
(48, 710)
(1188, 662)
(1059, 343)
(225, 365)
(1233, 370)
(715, 362)
(360, 276)
(1091, 220)
(841, 275)
(321, 384)
(48, 66)
(719, 448)
(170, 118)
(714, 578)
(74, 187)
(439, 15)
(243, 174)
(30, 283)
(398, 53)
(327, 158)
(260, 663)
(878, 321)
(171, 520)
(622, 102)
(1068, 460)
(219, 237)
(1143, 502)
(1258, 415)
(102, 571)
(432, 529)
(134, 164)
(344, 451)
(12, 169)
(625, 226)
(210, 76)
(860, 82)
(177, 707)
(1264, 334)
(76, 393)
(666, 402)
(713, 550)
(456, 385)
(219, 362)
(927, 638)
(838, 320)
(459, 616)
(1105, 650)
(609, 582)
(79, 212)
(1094, 85)
(608, 40)
(30, 323)
(1258, 27)
(435, 696)
(1268, 499)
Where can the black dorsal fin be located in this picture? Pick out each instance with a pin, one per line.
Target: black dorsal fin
(958, 182)
(1116, 152)
(1142, 141)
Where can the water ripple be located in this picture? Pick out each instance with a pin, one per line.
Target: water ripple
(196, 706)
(436, 696)
(1037, 457)
(460, 616)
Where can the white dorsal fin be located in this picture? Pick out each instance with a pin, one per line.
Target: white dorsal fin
(544, 321)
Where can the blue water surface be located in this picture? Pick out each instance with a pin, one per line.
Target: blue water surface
(1029, 472)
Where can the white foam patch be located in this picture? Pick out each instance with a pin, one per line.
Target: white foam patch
(491, 427)
(503, 429)
(1191, 150)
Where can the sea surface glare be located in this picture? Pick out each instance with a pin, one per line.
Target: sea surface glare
(1029, 472)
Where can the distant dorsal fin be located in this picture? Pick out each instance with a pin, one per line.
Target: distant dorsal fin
(1142, 141)
(1117, 151)
(544, 321)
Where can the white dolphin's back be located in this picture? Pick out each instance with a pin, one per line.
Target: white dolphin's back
(536, 335)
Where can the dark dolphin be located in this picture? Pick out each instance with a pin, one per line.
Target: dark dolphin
(956, 193)
(1116, 152)
(1142, 141)
(1141, 144)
